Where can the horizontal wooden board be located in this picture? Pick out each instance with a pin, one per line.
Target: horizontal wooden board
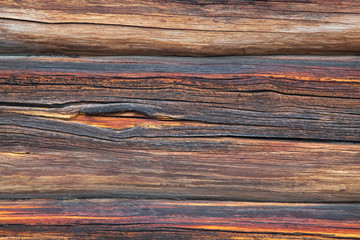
(188, 28)
(26, 232)
(161, 219)
(271, 97)
(57, 158)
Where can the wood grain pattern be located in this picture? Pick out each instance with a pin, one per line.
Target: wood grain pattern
(223, 128)
(52, 163)
(103, 232)
(160, 219)
(188, 28)
(274, 97)
(257, 147)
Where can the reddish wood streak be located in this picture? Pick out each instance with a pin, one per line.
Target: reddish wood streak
(313, 219)
(119, 123)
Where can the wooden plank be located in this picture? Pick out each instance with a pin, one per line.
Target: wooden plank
(272, 97)
(192, 219)
(25, 232)
(54, 160)
(196, 28)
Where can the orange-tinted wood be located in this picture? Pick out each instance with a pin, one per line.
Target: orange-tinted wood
(129, 217)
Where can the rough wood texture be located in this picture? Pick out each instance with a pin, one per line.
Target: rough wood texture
(170, 147)
(180, 128)
(161, 219)
(25, 232)
(196, 28)
(50, 162)
(270, 97)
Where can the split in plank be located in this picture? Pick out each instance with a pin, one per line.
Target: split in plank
(314, 98)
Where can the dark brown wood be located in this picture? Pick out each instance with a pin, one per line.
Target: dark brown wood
(196, 28)
(273, 97)
(163, 219)
(254, 128)
(104, 232)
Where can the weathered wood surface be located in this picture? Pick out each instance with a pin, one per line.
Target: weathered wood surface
(219, 128)
(196, 28)
(106, 232)
(180, 148)
(161, 219)
(52, 163)
(274, 97)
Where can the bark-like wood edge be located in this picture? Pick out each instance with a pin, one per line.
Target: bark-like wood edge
(185, 28)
